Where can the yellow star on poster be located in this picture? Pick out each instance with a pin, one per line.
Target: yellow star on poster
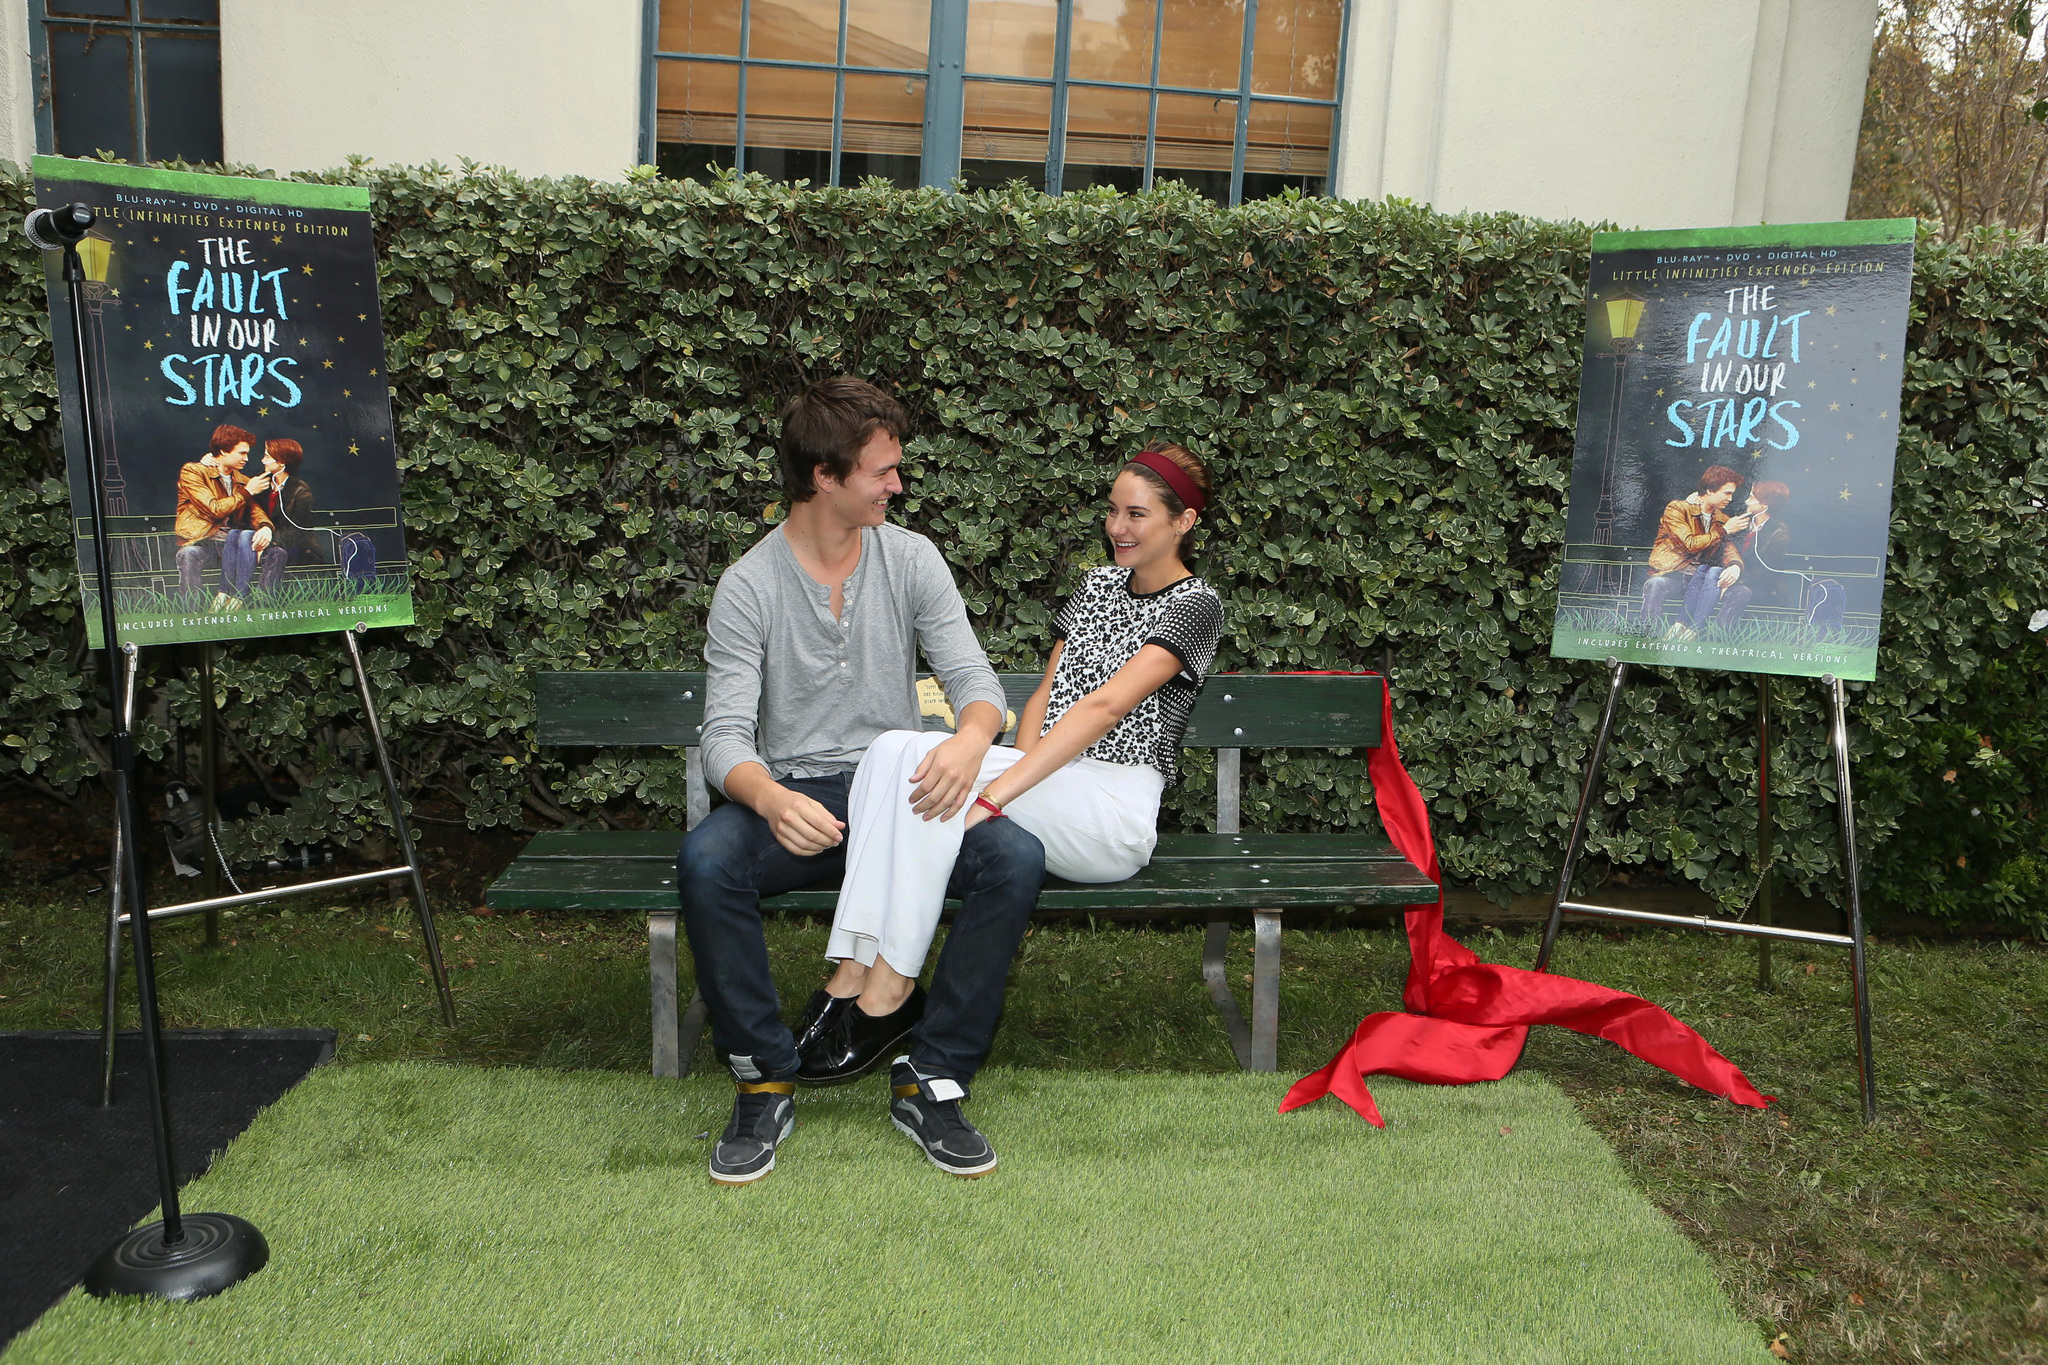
(1849, 436)
(263, 412)
(352, 448)
(1831, 310)
(1845, 495)
(1882, 356)
(149, 345)
(345, 393)
(309, 270)
(341, 339)
(373, 374)
(326, 364)
(1660, 393)
(1812, 383)
(1758, 451)
(156, 239)
(1883, 416)
(1852, 381)
(276, 240)
(1834, 407)
(365, 317)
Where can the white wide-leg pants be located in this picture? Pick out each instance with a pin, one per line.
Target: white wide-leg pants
(1098, 822)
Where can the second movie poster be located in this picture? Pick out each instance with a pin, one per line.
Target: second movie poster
(251, 479)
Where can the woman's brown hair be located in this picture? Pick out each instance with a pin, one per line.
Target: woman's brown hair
(1189, 464)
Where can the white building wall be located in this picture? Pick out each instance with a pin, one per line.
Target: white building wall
(547, 87)
(1648, 113)
(17, 88)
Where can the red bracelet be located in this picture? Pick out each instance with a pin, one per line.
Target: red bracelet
(995, 812)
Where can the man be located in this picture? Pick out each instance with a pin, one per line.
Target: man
(287, 500)
(811, 649)
(1762, 546)
(1693, 553)
(219, 524)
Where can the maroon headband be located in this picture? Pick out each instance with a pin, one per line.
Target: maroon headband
(1176, 478)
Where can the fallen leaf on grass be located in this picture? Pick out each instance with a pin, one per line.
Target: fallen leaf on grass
(1856, 1299)
(1505, 1130)
(1781, 1346)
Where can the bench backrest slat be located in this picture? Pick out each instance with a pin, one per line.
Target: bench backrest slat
(1236, 710)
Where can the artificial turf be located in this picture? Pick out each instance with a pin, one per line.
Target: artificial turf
(422, 1212)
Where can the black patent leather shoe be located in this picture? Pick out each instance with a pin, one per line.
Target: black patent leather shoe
(858, 1042)
(821, 1012)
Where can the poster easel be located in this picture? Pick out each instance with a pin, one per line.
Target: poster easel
(1760, 929)
(211, 905)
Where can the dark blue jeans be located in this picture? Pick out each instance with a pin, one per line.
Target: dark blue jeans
(729, 862)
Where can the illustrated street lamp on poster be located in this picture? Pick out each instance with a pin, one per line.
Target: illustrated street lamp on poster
(96, 255)
(1624, 314)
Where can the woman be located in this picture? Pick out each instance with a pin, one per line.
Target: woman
(1096, 745)
(287, 499)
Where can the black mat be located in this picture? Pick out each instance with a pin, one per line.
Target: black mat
(74, 1176)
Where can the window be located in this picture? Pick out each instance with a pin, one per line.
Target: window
(138, 78)
(829, 91)
(1238, 98)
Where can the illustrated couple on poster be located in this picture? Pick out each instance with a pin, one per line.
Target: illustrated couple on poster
(246, 528)
(1719, 566)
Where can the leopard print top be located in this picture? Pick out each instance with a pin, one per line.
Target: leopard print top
(1105, 624)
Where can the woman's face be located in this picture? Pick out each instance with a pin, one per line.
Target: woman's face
(1141, 533)
(271, 464)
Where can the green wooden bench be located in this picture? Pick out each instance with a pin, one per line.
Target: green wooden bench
(1214, 875)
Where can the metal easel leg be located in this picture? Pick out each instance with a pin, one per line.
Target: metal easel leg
(1619, 675)
(398, 823)
(1859, 977)
(1764, 832)
(110, 1001)
(209, 791)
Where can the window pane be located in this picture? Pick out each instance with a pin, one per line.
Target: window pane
(883, 131)
(789, 123)
(1195, 137)
(90, 9)
(1105, 138)
(1201, 43)
(181, 11)
(794, 30)
(1004, 134)
(1294, 51)
(888, 32)
(696, 109)
(181, 92)
(1112, 41)
(92, 93)
(1012, 37)
(709, 26)
(1286, 144)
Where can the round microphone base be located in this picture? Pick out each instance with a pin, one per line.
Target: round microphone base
(217, 1252)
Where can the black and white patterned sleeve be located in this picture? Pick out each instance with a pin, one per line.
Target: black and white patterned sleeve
(1190, 628)
(1069, 616)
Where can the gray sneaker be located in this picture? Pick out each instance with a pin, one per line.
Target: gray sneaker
(762, 1116)
(926, 1109)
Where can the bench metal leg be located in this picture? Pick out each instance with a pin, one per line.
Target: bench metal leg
(1265, 992)
(1216, 973)
(692, 1029)
(661, 977)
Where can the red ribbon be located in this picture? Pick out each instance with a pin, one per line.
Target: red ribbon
(1467, 1020)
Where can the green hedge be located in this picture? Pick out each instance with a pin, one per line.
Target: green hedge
(585, 376)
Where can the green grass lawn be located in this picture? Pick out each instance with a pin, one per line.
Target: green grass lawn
(434, 1213)
(1920, 1238)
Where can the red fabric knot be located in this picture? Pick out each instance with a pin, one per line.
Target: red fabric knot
(1467, 1020)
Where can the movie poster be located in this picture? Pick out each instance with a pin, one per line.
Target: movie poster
(251, 479)
(1732, 478)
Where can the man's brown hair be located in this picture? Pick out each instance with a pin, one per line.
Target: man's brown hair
(226, 437)
(827, 425)
(286, 452)
(1716, 475)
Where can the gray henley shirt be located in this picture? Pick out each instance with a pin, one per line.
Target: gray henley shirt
(804, 694)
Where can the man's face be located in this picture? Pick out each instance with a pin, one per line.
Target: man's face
(863, 499)
(1719, 498)
(234, 457)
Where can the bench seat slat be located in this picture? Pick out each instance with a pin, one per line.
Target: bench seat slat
(647, 884)
(660, 845)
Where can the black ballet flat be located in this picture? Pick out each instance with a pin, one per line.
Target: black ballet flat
(821, 1012)
(858, 1042)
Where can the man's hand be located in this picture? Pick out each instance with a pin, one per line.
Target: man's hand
(945, 780)
(1736, 525)
(259, 484)
(800, 824)
(260, 541)
(1730, 574)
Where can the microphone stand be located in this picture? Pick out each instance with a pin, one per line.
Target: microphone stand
(181, 1256)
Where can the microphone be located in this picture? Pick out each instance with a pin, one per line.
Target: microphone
(56, 229)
